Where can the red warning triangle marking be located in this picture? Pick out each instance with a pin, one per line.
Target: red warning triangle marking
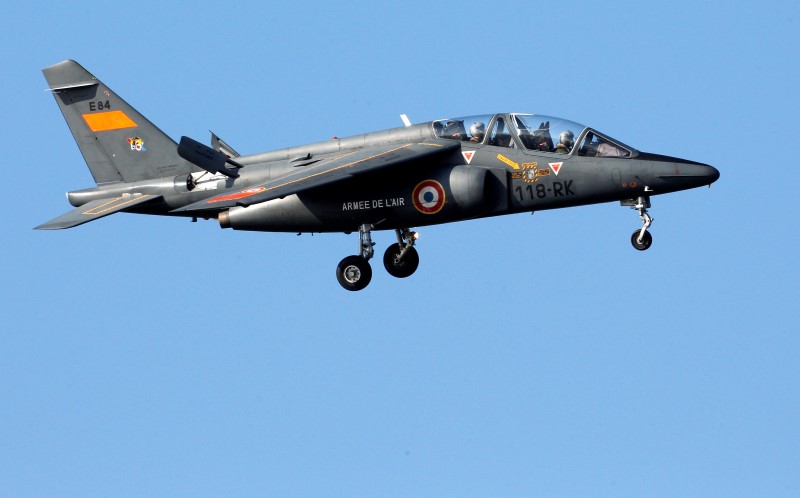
(468, 155)
(556, 167)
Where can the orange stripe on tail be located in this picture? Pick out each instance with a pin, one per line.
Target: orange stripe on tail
(111, 120)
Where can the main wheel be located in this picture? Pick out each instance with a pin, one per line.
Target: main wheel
(354, 273)
(400, 268)
(647, 240)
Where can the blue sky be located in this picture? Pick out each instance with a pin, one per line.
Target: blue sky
(528, 356)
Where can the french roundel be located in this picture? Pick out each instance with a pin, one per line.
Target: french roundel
(428, 197)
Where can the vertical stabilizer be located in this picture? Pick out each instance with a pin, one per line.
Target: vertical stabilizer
(117, 142)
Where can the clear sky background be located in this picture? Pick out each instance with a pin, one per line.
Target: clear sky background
(528, 356)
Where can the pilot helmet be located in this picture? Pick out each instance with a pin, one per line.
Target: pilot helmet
(566, 138)
(477, 129)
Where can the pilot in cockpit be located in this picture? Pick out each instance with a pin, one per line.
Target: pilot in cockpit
(565, 142)
(478, 131)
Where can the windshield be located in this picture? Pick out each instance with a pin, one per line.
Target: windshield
(598, 145)
(535, 132)
(546, 133)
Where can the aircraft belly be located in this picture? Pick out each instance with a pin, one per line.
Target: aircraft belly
(280, 215)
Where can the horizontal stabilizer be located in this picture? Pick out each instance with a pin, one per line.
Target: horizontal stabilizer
(95, 210)
(207, 158)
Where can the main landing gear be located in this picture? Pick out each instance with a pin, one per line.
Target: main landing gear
(641, 238)
(400, 260)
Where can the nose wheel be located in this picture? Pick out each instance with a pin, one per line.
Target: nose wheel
(641, 240)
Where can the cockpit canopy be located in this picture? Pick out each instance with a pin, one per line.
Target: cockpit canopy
(531, 132)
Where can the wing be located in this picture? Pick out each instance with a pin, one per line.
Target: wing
(325, 172)
(95, 210)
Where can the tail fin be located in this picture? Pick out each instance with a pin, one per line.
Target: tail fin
(117, 142)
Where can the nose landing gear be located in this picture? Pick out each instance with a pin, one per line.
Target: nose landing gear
(641, 242)
(641, 239)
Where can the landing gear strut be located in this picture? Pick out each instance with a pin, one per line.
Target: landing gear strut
(641, 239)
(401, 260)
(354, 272)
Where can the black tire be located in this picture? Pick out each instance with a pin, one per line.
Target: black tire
(354, 273)
(402, 268)
(647, 240)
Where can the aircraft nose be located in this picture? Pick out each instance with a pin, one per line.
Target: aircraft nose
(711, 173)
(698, 174)
(681, 173)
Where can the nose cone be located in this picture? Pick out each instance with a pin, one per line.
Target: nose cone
(693, 174)
(711, 173)
(680, 174)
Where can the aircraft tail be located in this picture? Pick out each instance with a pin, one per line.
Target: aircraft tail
(117, 142)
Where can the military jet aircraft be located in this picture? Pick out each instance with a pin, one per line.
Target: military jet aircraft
(423, 174)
